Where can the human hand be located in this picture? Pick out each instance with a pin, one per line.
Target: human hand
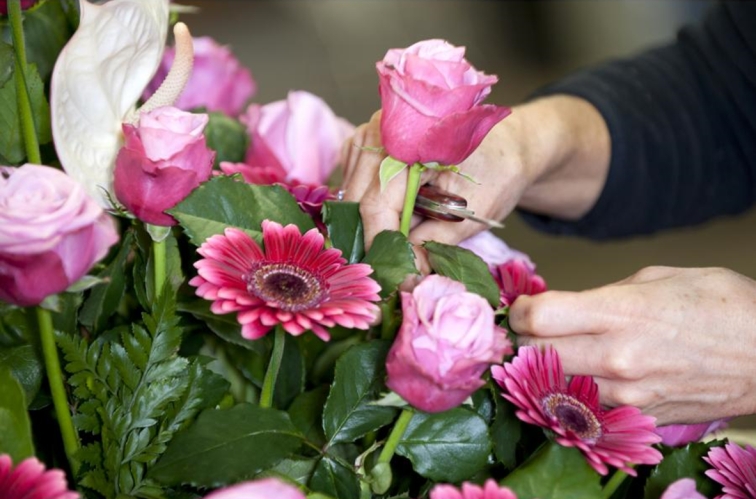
(677, 343)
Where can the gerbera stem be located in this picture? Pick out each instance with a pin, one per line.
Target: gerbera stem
(58, 390)
(269, 382)
(613, 484)
(158, 260)
(396, 435)
(28, 130)
(413, 185)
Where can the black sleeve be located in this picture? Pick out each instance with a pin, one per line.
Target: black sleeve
(682, 120)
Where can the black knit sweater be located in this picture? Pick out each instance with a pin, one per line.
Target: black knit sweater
(682, 120)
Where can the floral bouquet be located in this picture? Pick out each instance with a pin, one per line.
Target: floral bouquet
(188, 310)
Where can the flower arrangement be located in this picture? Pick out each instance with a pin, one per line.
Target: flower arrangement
(188, 310)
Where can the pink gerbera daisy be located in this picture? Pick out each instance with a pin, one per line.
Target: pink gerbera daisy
(30, 480)
(490, 490)
(515, 278)
(294, 282)
(534, 381)
(735, 469)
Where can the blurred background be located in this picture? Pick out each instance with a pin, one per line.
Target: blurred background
(329, 47)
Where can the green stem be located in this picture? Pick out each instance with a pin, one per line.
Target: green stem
(413, 184)
(269, 382)
(613, 484)
(58, 390)
(28, 130)
(158, 260)
(396, 435)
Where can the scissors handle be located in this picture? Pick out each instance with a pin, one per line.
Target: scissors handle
(434, 202)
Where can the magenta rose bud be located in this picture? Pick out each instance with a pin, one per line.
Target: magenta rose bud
(431, 103)
(301, 135)
(25, 4)
(448, 338)
(218, 81)
(164, 158)
(266, 488)
(681, 434)
(51, 233)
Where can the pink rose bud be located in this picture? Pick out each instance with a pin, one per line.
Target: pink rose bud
(515, 278)
(164, 158)
(25, 4)
(51, 233)
(267, 488)
(448, 338)
(493, 250)
(301, 135)
(684, 488)
(682, 434)
(431, 103)
(218, 81)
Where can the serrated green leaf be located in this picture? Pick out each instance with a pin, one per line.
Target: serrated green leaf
(389, 169)
(464, 266)
(681, 463)
(331, 477)
(223, 202)
(306, 413)
(450, 446)
(392, 260)
(345, 229)
(227, 137)
(555, 472)
(226, 446)
(26, 366)
(295, 470)
(505, 432)
(15, 428)
(348, 414)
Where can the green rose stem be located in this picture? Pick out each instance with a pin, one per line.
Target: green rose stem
(396, 435)
(269, 382)
(613, 484)
(58, 390)
(413, 185)
(158, 260)
(22, 94)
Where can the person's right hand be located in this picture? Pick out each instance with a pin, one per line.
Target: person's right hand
(549, 156)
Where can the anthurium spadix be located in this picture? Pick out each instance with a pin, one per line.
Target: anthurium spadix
(100, 75)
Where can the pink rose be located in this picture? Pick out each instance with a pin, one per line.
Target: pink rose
(301, 135)
(51, 233)
(682, 434)
(25, 4)
(266, 488)
(515, 278)
(493, 250)
(685, 488)
(448, 338)
(218, 81)
(164, 158)
(430, 101)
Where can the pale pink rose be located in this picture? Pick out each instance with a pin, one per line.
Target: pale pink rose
(218, 81)
(51, 233)
(267, 488)
(301, 135)
(448, 338)
(431, 103)
(684, 488)
(682, 434)
(493, 250)
(164, 158)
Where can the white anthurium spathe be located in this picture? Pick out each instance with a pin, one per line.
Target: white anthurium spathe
(98, 79)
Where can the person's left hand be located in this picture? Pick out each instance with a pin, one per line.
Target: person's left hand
(680, 344)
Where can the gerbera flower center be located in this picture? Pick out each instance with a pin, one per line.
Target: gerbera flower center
(289, 287)
(573, 415)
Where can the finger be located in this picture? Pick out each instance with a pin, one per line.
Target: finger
(444, 232)
(562, 313)
(381, 210)
(364, 164)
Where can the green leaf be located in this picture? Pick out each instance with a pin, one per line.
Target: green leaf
(6, 63)
(392, 260)
(448, 446)
(345, 229)
(334, 479)
(225, 326)
(555, 472)
(227, 446)
(11, 142)
(15, 429)
(46, 29)
(464, 266)
(505, 432)
(227, 137)
(306, 413)
(389, 169)
(680, 463)
(226, 202)
(348, 414)
(297, 470)
(25, 366)
(105, 298)
(291, 376)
